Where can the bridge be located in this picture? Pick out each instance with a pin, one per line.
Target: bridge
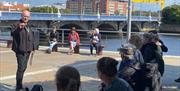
(85, 22)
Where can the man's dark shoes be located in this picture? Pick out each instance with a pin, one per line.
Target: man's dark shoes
(177, 80)
(23, 89)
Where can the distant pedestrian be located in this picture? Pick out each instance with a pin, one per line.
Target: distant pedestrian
(67, 79)
(107, 72)
(23, 46)
(73, 39)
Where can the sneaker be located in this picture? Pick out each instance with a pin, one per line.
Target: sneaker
(177, 80)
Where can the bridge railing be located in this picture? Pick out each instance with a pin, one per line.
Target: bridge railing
(68, 17)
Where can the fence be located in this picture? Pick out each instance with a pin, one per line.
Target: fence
(112, 40)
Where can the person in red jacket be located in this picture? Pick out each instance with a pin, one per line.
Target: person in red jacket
(73, 39)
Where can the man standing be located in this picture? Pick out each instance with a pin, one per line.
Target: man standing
(23, 45)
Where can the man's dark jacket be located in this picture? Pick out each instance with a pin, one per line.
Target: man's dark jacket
(23, 40)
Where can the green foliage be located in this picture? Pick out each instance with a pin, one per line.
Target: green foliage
(171, 14)
(66, 11)
(145, 13)
(44, 9)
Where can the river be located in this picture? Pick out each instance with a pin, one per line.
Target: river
(112, 44)
(172, 42)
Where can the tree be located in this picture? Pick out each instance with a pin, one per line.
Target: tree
(171, 14)
(66, 11)
(44, 9)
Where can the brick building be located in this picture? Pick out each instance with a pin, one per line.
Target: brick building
(13, 6)
(103, 7)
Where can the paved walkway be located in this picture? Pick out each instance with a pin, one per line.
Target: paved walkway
(45, 65)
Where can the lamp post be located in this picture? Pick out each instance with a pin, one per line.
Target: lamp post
(159, 22)
(129, 20)
(98, 12)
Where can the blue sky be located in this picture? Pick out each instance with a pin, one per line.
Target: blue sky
(150, 7)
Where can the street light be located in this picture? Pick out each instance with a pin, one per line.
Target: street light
(98, 12)
(129, 20)
(59, 13)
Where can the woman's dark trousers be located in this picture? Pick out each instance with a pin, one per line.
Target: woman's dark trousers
(22, 60)
(91, 48)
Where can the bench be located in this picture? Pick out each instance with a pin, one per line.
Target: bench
(76, 49)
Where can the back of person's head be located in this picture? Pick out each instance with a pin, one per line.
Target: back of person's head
(107, 66)
(37, 87)
(155, 35)
(147, 37)
(136, 40)
(67, 79)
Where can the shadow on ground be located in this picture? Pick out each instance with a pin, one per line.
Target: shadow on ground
(171, 73)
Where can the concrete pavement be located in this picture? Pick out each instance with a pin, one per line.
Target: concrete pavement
(45, 65)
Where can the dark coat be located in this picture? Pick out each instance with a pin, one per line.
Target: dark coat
(54, 35)
(153, 54)
(23, 40)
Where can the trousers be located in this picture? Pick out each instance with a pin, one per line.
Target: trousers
(22, 60)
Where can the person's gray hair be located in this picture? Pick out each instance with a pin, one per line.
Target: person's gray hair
(97, 30)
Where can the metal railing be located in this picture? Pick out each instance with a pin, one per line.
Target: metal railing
(74, 17)
(112, 40)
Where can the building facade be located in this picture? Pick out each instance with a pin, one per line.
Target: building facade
(13, 6)
(113, 7)
(81, 6)
(102, 7)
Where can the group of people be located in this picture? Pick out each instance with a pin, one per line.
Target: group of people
(24, 44)
(141, 68)
(74, 41)
(142, 63)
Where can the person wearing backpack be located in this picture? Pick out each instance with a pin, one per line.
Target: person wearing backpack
(130, 66)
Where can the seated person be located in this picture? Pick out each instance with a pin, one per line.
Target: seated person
(67, 79)
(73, 39)
(53, 39)
(107, 72)
(95, 40)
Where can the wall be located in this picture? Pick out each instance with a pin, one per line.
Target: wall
(170, 28)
